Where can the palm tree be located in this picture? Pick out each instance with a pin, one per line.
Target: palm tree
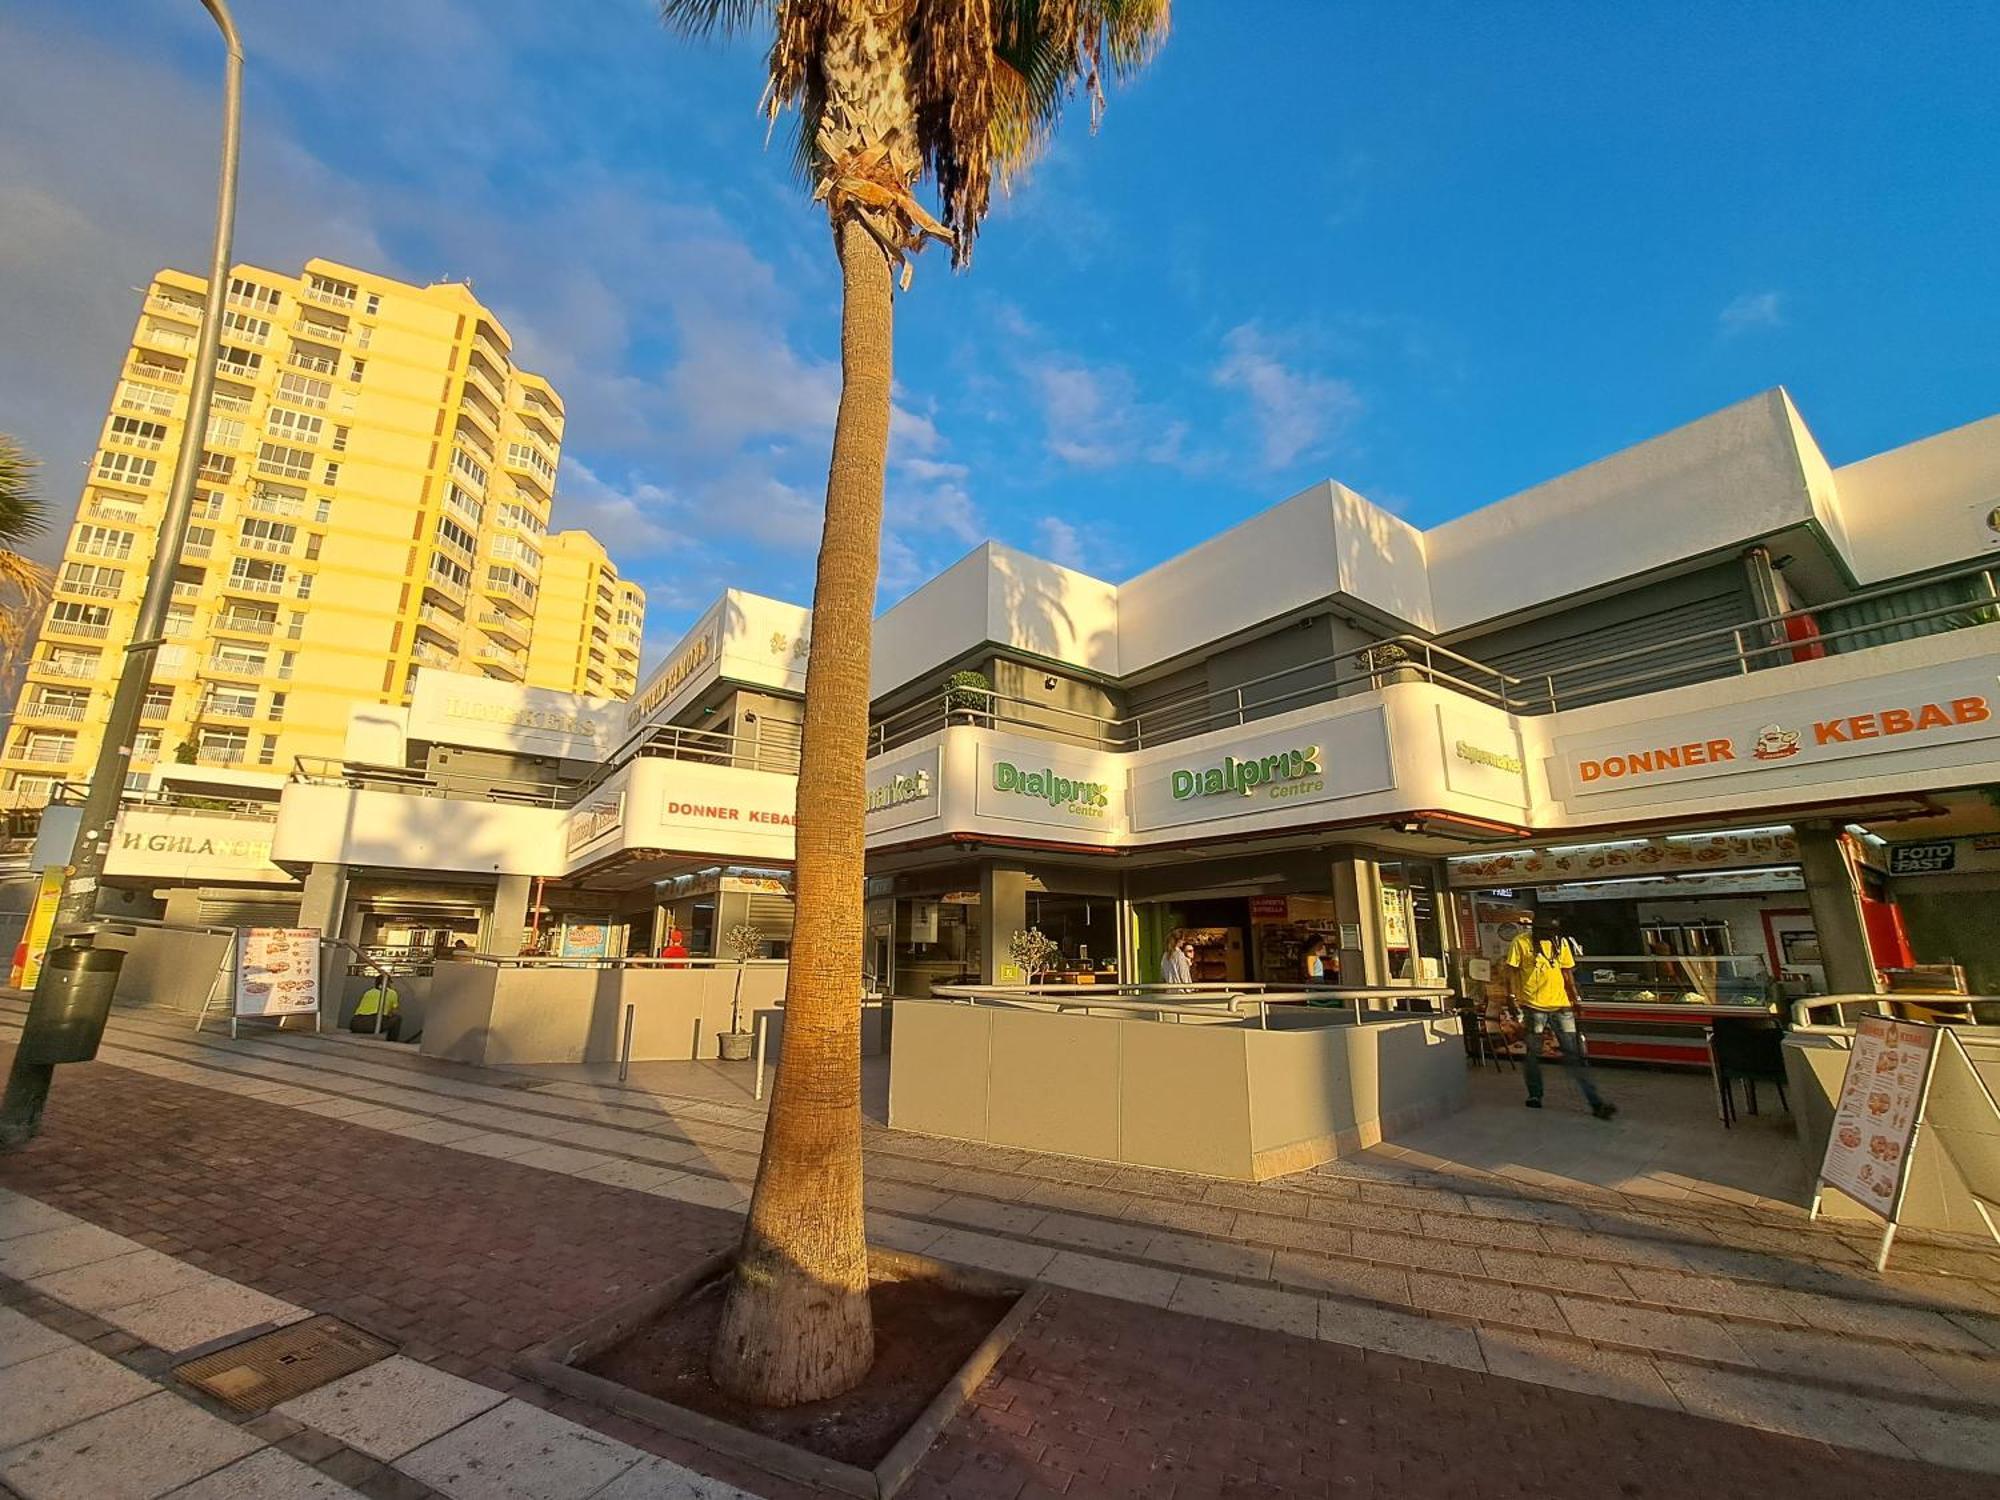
(23, 583)
(887, 93)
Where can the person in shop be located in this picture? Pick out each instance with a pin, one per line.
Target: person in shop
(674, 947)
(1314, 960)
(379, 1000)
(1177, 963)
(1541, 967)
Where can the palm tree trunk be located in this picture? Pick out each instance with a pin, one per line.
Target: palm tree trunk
(796, 1325)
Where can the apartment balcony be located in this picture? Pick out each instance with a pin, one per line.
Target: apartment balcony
(52, 708)
(187, 590)
(241, 669)
(509, 627)
(429, 655)
(160, 371)
(221, 755)
(450, 590)
(159, 336)
(445, 624)
(197, 550)
(321, 333)
(88, 590)
(271, 544)
(175, 305)
(268, 503)
(241, 624)
(43, 755)
(510, 595)
(315, 363)
(74, 671)
(524, 463)
(515, 663)
(242, 368)
(484, 343)
(482, 376)
(83, 629)
(237, 583)
(327, 296)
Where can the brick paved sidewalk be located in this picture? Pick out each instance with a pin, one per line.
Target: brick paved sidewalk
(509, 1223)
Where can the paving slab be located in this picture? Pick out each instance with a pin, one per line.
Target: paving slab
(1485, 1301)
(21, 1215)
(1572, 1366)
(41, 1395)
(1111, 1278)
(1778, 1405)
(663, 1479)
(22, 1338)
(1642, 1328)
(1253, 1306)
(134, 1452)
(1406, 1335)
(519, 1452)
(266, 1475)
(200, 1314)
(1952, 1438)
(133, 1277)
(391, 1407)
(46, 1251)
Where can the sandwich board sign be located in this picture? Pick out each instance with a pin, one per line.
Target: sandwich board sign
(267, 973)
(1910, 1088)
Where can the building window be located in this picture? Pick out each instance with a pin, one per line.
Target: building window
(67, 618)
(277, 706)
(224, 747)
(267, 752)
(238, 360)
(360, 369)
(146, 745)
(373, 305)
(285, 663)
(91, 580)
(305, 585)
(134, 433)
(313, 542)
(293, 426)
(47, 746)
(250, 576)
(225, 432)
(103, 541)
(303, 390)
(447, 571)
(268, 536)
(135, 397)
(340, 439)
(332, 475)
(253, 294)
(250, 330)
(297, 629)
(292, 463)
(452, 534)
(216, 465)
(126, 468)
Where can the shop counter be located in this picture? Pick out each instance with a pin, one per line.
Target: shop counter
(1661, 1031)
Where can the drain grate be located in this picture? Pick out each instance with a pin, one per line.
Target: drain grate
(259, 1373)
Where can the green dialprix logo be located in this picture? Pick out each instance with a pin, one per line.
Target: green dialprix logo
(1089, 798)
(1243, 777)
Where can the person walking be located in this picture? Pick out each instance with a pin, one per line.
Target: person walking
(1540, 964)
(1177, 963)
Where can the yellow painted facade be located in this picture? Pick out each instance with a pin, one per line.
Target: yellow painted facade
(374, 498)
(587, 630)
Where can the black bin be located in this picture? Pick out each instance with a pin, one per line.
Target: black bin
(72, 1003)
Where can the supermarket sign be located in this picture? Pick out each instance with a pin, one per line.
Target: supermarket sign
(1790, 731)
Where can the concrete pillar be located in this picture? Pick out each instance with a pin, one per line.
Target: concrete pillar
(1357, 906)
(509, 922)
(323, 902)
(1836, 911)
(1003, 911)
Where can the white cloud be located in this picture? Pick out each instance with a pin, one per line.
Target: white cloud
(1752, 310)
(631, 520)
(1060, 542)
(1296, 411)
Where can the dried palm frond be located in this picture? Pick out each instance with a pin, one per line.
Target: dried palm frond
(24, 590)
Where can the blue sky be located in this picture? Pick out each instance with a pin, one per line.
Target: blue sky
(1437, 252)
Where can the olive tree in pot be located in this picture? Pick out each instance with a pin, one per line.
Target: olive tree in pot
(746, 942)
(1033, 950)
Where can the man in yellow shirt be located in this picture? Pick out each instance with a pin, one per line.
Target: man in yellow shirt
(1539, 964)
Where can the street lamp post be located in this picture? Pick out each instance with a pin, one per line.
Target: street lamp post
(28, 1082)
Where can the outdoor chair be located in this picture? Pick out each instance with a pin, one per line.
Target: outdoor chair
(1485, 1038)
(1751, 1050)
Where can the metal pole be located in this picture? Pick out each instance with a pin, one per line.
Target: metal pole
(28, 1083)
(625, 1047)
(763, 1031)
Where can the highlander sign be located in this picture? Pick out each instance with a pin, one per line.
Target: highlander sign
(1796, 731)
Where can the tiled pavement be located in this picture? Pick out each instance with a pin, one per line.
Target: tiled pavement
(1421, 1326)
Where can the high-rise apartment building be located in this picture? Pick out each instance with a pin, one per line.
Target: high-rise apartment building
(587, 622)
(374, 497)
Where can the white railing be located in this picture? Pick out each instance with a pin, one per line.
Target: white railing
(146, 369)
(319, 364)
(246, 624)
(327, 297)
(238, 583)
(90, 630)
(52, 666)
(50, 708)
(275, 505)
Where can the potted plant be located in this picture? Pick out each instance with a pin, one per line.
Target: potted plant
(968, 697)
(1032, 950)
(746, 942)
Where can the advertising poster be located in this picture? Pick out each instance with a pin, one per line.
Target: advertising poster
(41, 922)
(1867, 1151)
(277, 971)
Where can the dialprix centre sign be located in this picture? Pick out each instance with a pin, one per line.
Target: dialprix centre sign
(1088, 799)
(1288, 773)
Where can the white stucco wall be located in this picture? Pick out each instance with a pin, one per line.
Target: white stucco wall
(1914, 506)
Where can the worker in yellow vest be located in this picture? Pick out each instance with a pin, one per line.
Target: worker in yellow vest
(378, 1000)
(1540, 966)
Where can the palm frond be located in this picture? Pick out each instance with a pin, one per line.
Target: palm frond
(21, 513)
(713, 17)
(24, 589)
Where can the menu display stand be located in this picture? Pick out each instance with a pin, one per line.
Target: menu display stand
(266, 974)
(1909, 1088)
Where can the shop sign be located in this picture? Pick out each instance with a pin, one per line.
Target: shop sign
(198, 846)
(1475, 755)
(596, 820)
(668, 679)
(1622, 860)
(1241, 778)
(277, 971)
(1792, 730)
(1922, 859)
(901, 792)
(1346, 755)
(510, 716)
(1046, 787)
(729, 812)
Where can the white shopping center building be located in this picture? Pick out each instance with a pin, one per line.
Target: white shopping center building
(1710, 699)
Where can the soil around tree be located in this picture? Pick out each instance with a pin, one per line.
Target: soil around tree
(924, 1331)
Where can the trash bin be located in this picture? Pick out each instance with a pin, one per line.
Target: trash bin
(72, 1003)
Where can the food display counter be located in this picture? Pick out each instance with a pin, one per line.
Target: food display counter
(1658, 1009)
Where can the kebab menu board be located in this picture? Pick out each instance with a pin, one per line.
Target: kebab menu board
(1868, 1150)
(277, 971)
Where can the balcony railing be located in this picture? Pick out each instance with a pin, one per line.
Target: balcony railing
(238, 583)
(432, 656)
(87, 629)
(221, 755)
(227, 708)
(319, 364)
(237, 624)
(88, 590)
(187, 309)
(54, 708)
(265, 503)
(167, 338)
(497, 622)
(322, 333)
(152, 369)
(327, 296)
(280, 545)
(241, 367)
(45, 755)
(233, 666)
(56, 666)
(443, 621)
